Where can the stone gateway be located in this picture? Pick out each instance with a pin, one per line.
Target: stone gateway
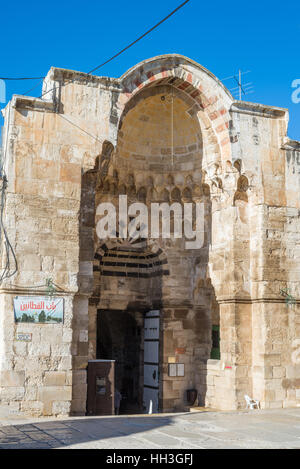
(227, 314)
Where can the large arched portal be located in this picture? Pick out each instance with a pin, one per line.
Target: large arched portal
(171, 136)
(159, 159)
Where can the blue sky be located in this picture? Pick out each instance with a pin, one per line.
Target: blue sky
(261, 36)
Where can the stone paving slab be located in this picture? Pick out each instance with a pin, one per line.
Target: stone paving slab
(268, 429)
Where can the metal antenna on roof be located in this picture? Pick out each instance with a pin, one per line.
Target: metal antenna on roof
(242, 89)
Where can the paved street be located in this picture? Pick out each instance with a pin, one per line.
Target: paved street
(253, 429)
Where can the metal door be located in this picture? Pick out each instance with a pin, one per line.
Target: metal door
(101, 387)
(151, 361)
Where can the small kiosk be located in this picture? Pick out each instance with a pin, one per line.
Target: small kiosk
(101, 387)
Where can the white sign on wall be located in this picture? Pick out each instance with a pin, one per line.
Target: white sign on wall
(39, 309)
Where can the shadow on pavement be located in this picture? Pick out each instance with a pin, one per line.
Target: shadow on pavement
(58, 433)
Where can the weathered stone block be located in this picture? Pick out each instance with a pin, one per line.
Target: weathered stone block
(10, 393)
(78, 406)
(30, 262)
(61, 408)
(55, 393)
(79, 391)
(12, 378)
(55, 378)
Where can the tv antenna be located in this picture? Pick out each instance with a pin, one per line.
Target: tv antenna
(242, 89)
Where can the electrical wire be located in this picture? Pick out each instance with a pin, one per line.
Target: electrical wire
(141, 37)
(114, 56)
(46, 285)
(31, 89)
(129, 45)
(21, 78)
(80, 128)
(8, 247)
(104, 63)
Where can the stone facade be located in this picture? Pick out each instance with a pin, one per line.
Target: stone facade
(166, 131)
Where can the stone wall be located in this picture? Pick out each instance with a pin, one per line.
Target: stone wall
(36, 377)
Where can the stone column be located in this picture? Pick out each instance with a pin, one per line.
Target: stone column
(185, 339)
(276, 330)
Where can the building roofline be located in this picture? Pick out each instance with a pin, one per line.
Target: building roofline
(56, 73)
(245, 107)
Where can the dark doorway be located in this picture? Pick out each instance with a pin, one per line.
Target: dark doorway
(120, 338)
